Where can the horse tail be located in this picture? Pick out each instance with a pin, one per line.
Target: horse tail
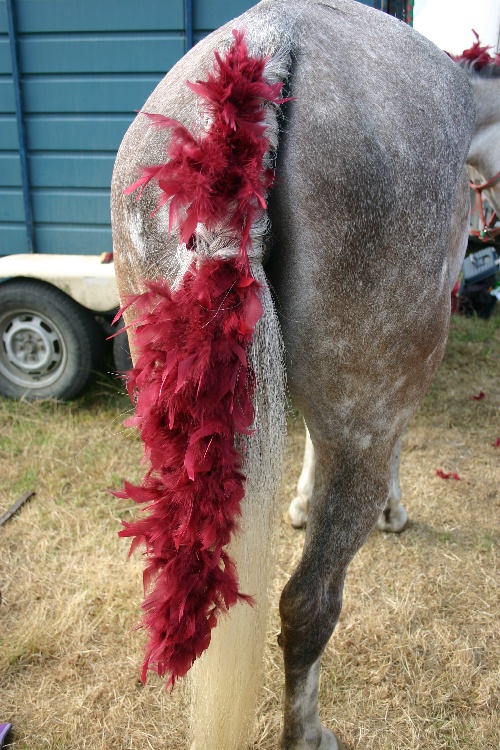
(209, 378)
(226, 679)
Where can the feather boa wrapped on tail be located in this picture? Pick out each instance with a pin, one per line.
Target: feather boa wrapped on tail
(208, 407)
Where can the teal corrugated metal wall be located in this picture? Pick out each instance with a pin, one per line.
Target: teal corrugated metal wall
(85, 67)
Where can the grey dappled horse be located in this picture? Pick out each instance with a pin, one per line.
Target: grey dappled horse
(369, 218)
(483, 162)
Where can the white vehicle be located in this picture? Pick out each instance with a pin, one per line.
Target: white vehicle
(54, 312)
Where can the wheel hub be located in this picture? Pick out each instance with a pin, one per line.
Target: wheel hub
(33, 349)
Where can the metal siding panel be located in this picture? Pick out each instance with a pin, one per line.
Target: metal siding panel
(10, 170)
(101, 54)
(8, 133)
(11, 205)
(46, 16)
(13, 239)
(71, 170)
(3, 17)
(5, 61)
(7, 102)
(75, 206)
(73, 240)
(87, 94)
(74, 133)
(209, 16)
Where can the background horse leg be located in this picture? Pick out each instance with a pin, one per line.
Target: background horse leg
(394, 516)
(299, 507)
(349, 493)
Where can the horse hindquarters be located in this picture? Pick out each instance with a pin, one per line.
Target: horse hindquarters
(394, 517)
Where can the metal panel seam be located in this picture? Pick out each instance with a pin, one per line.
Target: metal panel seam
(11, 22)
(188, 22)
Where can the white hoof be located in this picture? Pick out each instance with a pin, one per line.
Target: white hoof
(393, 519)
(297, 513)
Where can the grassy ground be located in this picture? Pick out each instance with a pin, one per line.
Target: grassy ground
(414, 660)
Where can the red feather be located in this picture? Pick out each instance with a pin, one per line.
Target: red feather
(447, 475)
(478, 55)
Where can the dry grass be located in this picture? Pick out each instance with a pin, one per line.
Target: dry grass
(413, 662)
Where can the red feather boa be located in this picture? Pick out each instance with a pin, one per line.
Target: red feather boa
(192, 382)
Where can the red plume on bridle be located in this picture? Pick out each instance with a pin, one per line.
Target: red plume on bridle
(479, 60)
(478, 56)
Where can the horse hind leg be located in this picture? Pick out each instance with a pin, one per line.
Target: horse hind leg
(344, 508)
(393, 518)
(307, 711)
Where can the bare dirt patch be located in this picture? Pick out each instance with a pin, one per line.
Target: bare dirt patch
(414, 661)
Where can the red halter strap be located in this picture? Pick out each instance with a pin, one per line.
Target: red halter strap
(487, 230)
(479, 188)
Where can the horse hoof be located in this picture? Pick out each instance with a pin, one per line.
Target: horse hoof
(297, 514)
(330, 742)
(394, 520)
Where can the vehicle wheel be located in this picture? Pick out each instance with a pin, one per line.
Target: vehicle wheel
(49, 344)
(121, 350)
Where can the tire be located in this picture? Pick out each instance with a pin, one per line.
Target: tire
(49, 344)
(121, 350)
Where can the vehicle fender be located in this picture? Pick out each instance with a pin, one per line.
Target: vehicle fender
(82, 277)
